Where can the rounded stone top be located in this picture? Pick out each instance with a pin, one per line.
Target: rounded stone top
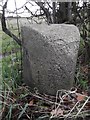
(56, 31)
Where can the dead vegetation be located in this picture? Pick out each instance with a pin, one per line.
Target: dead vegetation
(66, 105)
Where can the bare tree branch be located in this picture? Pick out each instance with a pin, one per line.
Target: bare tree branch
(46, 11)
(4, 28)
(34, 15)
(49, 5)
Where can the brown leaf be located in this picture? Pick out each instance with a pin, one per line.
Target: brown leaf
(31, 102)
(80, 97)
(57, 112)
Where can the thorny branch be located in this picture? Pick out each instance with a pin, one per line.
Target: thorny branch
(4, 28)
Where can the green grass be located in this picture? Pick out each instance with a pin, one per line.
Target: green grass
(11, 61)
(11, 69)
(1, 33)
(8, 45)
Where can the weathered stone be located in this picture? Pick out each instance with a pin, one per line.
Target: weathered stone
(50, 54)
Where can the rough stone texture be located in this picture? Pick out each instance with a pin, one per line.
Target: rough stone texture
(50, 54)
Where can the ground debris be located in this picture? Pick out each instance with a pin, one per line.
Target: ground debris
(66, 105)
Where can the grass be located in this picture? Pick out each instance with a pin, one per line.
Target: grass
(11, 61)
(9, 45)
(11, 71)
(0, 64)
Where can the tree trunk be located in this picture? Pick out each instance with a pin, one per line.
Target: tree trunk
(69, 11)
(54, 12)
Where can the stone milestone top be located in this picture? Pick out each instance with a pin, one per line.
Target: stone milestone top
(52, 55)
(55, 30)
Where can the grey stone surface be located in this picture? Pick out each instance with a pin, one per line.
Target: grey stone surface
(50, 55)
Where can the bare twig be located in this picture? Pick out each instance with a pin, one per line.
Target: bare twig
(37, 96)
(82, 106)
(71, 110)
(49, 5)
(46, 11)
(34, 15)
(4, 28)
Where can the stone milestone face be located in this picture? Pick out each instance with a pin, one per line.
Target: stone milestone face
(50, 55)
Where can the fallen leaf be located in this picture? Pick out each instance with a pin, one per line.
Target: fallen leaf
(80, 97)
(31, 102)
(57, 112)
